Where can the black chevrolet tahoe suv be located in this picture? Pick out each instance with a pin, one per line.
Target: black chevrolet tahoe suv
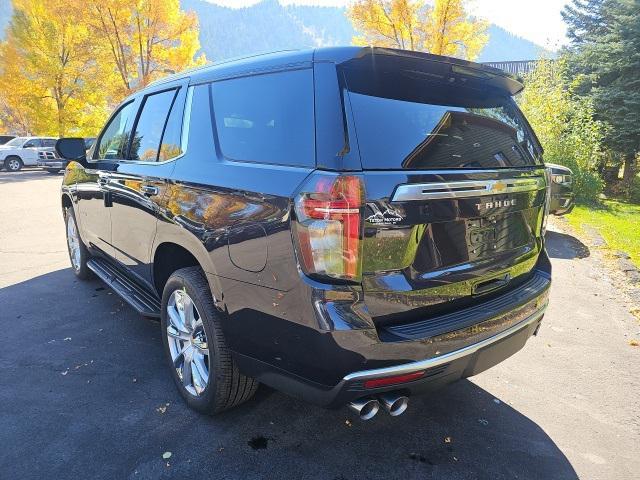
(351, 226)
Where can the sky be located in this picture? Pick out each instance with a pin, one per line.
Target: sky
(538, 21)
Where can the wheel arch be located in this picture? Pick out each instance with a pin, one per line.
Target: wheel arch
(169, 256)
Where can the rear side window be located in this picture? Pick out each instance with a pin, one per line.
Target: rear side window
(48, 142)
(171, 145)
(150, 126)
(266, 118)
(115, 137)
(33, 143)
(405, 122)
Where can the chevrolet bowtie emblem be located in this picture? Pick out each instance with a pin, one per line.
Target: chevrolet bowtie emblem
(498, 187)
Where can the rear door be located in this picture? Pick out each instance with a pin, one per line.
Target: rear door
(455, 187)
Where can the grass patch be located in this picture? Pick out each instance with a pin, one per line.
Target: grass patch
(617, 222)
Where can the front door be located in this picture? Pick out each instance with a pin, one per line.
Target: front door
(138, 183)
(93, 189)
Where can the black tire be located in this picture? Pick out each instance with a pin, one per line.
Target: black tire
(226, 387)
(13, 163)
(81, 270)
(52, 171)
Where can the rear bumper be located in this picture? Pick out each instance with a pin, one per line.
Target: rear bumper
(476, 339)
(443, 369)
(51, 164)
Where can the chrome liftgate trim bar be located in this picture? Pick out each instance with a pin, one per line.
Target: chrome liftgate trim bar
(465, 189)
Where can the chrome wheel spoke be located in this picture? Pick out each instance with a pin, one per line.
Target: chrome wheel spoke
(187, 377)
(200, 375)
(176, 320)
(173, 332)
(180, 358)
(188, 310)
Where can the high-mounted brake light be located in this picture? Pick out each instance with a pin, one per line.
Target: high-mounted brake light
(328, 226)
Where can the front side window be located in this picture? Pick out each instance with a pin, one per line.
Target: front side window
(115, 137)
(146, 144)
(266, 118)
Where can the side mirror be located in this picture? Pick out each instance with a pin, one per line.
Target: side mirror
(72, 149)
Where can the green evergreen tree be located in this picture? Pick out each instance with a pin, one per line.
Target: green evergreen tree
(605, 56)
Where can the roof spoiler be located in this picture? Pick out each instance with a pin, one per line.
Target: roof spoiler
(438, 66)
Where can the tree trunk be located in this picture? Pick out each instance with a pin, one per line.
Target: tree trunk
(630, 170)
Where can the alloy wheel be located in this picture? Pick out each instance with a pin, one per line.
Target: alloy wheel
(188, 343)
(73, 242)
(13, 165)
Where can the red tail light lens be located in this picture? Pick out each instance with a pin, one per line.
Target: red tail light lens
(328, 226)
(386, 381)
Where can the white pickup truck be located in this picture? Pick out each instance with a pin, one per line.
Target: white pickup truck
(23, 151)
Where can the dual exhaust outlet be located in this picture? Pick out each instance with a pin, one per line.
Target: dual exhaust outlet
(368, 407)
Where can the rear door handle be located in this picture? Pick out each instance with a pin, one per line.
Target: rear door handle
(149, 190)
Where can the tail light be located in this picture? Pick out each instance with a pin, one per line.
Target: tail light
(328, 226)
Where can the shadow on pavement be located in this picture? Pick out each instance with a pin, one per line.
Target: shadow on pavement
(565, 246)
(86, 393)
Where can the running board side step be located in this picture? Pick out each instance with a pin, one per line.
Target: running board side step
(143, 301)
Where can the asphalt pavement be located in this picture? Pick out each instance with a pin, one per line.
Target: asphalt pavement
(85, 393)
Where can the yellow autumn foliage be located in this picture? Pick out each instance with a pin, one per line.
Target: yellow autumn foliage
(442, 29)
(65, 63)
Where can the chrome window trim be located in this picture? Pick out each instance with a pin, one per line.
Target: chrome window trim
(186, 119)
(466, 188)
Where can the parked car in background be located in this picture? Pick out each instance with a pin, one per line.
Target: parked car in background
(5, 138)
(23, 151)
(235, 203)
(50, 161)
(562, 195)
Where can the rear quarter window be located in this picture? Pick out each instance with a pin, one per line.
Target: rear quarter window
(266, 118)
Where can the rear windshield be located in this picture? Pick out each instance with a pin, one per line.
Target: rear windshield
(404, 121)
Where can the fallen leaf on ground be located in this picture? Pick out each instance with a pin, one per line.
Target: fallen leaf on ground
(634, 343)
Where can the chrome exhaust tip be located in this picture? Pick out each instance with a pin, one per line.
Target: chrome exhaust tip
(366, 408)
(394, 404)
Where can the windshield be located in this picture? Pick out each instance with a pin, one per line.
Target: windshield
(404, 122)
(16, 142)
